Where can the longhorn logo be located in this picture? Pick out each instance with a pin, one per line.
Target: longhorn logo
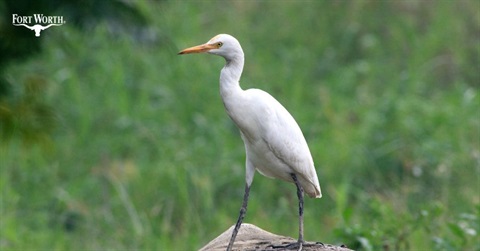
(38, 20)
(37, 28)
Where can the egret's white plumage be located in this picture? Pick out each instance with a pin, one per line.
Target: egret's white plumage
(274, 143)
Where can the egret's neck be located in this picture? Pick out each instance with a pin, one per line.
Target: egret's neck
(230, 76)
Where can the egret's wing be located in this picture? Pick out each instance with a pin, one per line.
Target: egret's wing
(285, 139)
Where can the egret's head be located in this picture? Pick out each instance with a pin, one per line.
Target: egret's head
(223, 45)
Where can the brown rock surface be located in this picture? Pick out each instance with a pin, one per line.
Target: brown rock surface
(251, 237)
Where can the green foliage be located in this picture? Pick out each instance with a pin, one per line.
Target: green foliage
(21, 113)
(136, 151)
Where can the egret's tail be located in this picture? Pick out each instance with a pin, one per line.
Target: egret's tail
(314, 192)
(311, 187)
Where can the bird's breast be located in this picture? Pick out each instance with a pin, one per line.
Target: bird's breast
(245, 115)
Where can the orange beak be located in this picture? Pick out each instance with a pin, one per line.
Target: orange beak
(198, 49)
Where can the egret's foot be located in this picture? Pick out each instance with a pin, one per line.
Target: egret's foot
(299, 245)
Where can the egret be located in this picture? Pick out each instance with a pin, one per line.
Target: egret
(274, 143)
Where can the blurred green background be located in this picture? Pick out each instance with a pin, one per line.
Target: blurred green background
(110, 141)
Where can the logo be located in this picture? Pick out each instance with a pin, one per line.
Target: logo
(41, 21)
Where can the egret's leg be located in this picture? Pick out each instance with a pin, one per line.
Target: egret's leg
(300, 211)
(243, 211)
(300, 243)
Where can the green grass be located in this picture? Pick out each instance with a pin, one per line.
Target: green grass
(143, 156)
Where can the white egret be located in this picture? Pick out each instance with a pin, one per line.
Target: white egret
(274, 143)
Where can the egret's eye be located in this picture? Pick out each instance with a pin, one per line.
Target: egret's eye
(219, 44)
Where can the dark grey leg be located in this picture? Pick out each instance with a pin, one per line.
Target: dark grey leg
(300, 243)
(243, 211)
(300, 211)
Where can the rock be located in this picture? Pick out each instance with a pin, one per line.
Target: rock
(251, 237)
